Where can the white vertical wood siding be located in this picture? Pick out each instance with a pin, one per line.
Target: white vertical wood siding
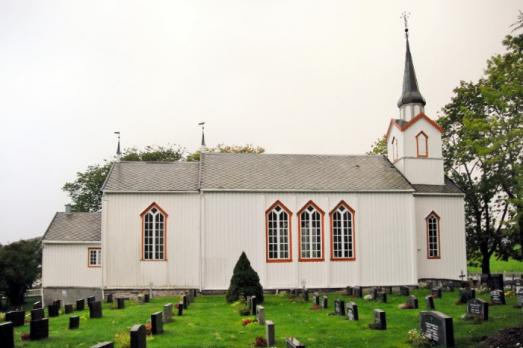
(66, 265)
(452, 237)
(122, 234)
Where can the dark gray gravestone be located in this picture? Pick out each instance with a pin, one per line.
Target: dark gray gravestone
(39, 329)
(357, 292)
(497, 297)
(37, 305)
(316, 299)
(138, 336)
(324, 302)
(388, 290)
(438, 328)
(120, 303)
(110, 298)
(466, 294)
(90, 300)
(168, 313)
(254, 303)
(180, 308)
(95, 310)
(404, 291)
(477, 309)
(58, 303)
(339, 307)
(374, 293)
(53, 310)
(436, 292)
(157, 323)
(294, 343)
(351, 310)
(37, 314)
(306, 295)
(184, 301)
(103, 345)
(412, 302)
(348, 291)
(7, 335)
(380, 320)
(16, 317)
(270, 333)
(519, 296)
(382, 297)
(260, 314)
(74, 322)
(68, 308)
(429, 303)
(80, 304)
(146, 298)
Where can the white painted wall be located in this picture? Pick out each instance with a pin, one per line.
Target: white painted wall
(66, 265)
(452, 237)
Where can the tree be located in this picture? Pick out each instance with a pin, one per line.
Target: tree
(19, 268)
(379, 147)
(221, 148)
(245, 281)
(482, 147)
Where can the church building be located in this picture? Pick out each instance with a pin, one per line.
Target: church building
(319, 221)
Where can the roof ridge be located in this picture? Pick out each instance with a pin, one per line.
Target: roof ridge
(295, 154)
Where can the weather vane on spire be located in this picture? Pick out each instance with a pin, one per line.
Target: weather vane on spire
(405, 16)
(202, 124)
(118, 151)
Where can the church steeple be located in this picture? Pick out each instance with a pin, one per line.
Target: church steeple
(411, 102)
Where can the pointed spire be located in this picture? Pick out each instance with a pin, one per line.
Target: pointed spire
(202, 145)
(118, 151)
(410, 93)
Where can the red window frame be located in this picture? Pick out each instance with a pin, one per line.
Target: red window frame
(438, 241)
(418, 154)
(322, 233)
(165, 216)
(289, 237)
(353, 213)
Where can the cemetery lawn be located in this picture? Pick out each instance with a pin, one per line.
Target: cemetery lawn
(211, 322)
(499, 266)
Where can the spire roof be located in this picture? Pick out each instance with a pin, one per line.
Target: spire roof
(410, 93)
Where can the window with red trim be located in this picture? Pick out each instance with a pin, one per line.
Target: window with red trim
(342, 232)
(154, 225)
(311, 232)
(433, 242)
(422, 144)
(278, 233)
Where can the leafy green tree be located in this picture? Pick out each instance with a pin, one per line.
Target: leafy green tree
(483, 147)
(379, 147)
(20, 265)
(245, 281)
(221, 148)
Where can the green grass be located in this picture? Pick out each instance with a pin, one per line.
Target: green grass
(210, 322)
(499, 266)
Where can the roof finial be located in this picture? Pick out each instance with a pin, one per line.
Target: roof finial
(118, 151)
(405, 16)
(202, 145)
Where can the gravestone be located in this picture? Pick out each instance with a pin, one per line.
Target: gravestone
(306, 295)
(324, 302)
(382, 297)
(466, 294)
(380, 320)
(7, 335)
(519, 296)
(412, 302)
(120, 303)
(339, 307)
(53, 310)
(180, 309)
(157, 323)
(497, 297)
(39, 329)
(404, 291)
(80, 304)
(351, 310)
(74, 322)
(270, 333)
(16, 317)
(294, 343)
(95, 310)
(37, 305)
(493, 281)
(140, 299)
(438, 328)
(260, 314)
(103, 345)
(68, 308)
(168, 313)
(254, 303)
(146, 298)
(316, 299)
(436, 292)
(37, 314)
(429, 303)
(357, 292)
(138, 336)
(388, 290)
(477, 309)
(58, 303)
(374, 294)
(110, 298)
(184, 301)
(90, 300)
(348, 291)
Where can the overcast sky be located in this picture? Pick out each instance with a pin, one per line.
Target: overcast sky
(291, 76)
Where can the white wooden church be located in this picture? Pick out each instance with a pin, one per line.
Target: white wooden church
(320, 221)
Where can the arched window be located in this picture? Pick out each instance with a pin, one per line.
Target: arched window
(310, 231)
(278, 225)
(394, 149)
(154, 226)
(422, 144)
(433, 243)
(342, 233)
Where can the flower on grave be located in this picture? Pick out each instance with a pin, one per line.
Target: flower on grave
(315, 307)
(405, 306)
(25, 336)
(260, 342)
(368, 297)
(247, 321)
(416, 338)
(149, 328)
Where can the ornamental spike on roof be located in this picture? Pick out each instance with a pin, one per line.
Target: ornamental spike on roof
(410, 93)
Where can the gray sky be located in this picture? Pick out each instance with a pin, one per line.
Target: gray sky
(291, 76)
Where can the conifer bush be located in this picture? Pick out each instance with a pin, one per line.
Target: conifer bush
(244, 282)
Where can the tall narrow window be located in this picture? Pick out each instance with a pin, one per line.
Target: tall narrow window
(311, 232)
(433, 243)
(154, 231)
(278, 224)
(94, 257)
(422, 144)
(394, 149)
(342, 233)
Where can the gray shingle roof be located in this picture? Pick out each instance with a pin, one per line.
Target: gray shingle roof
(152, 176)
(271, 172)
(449, 187)
(74, 227)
